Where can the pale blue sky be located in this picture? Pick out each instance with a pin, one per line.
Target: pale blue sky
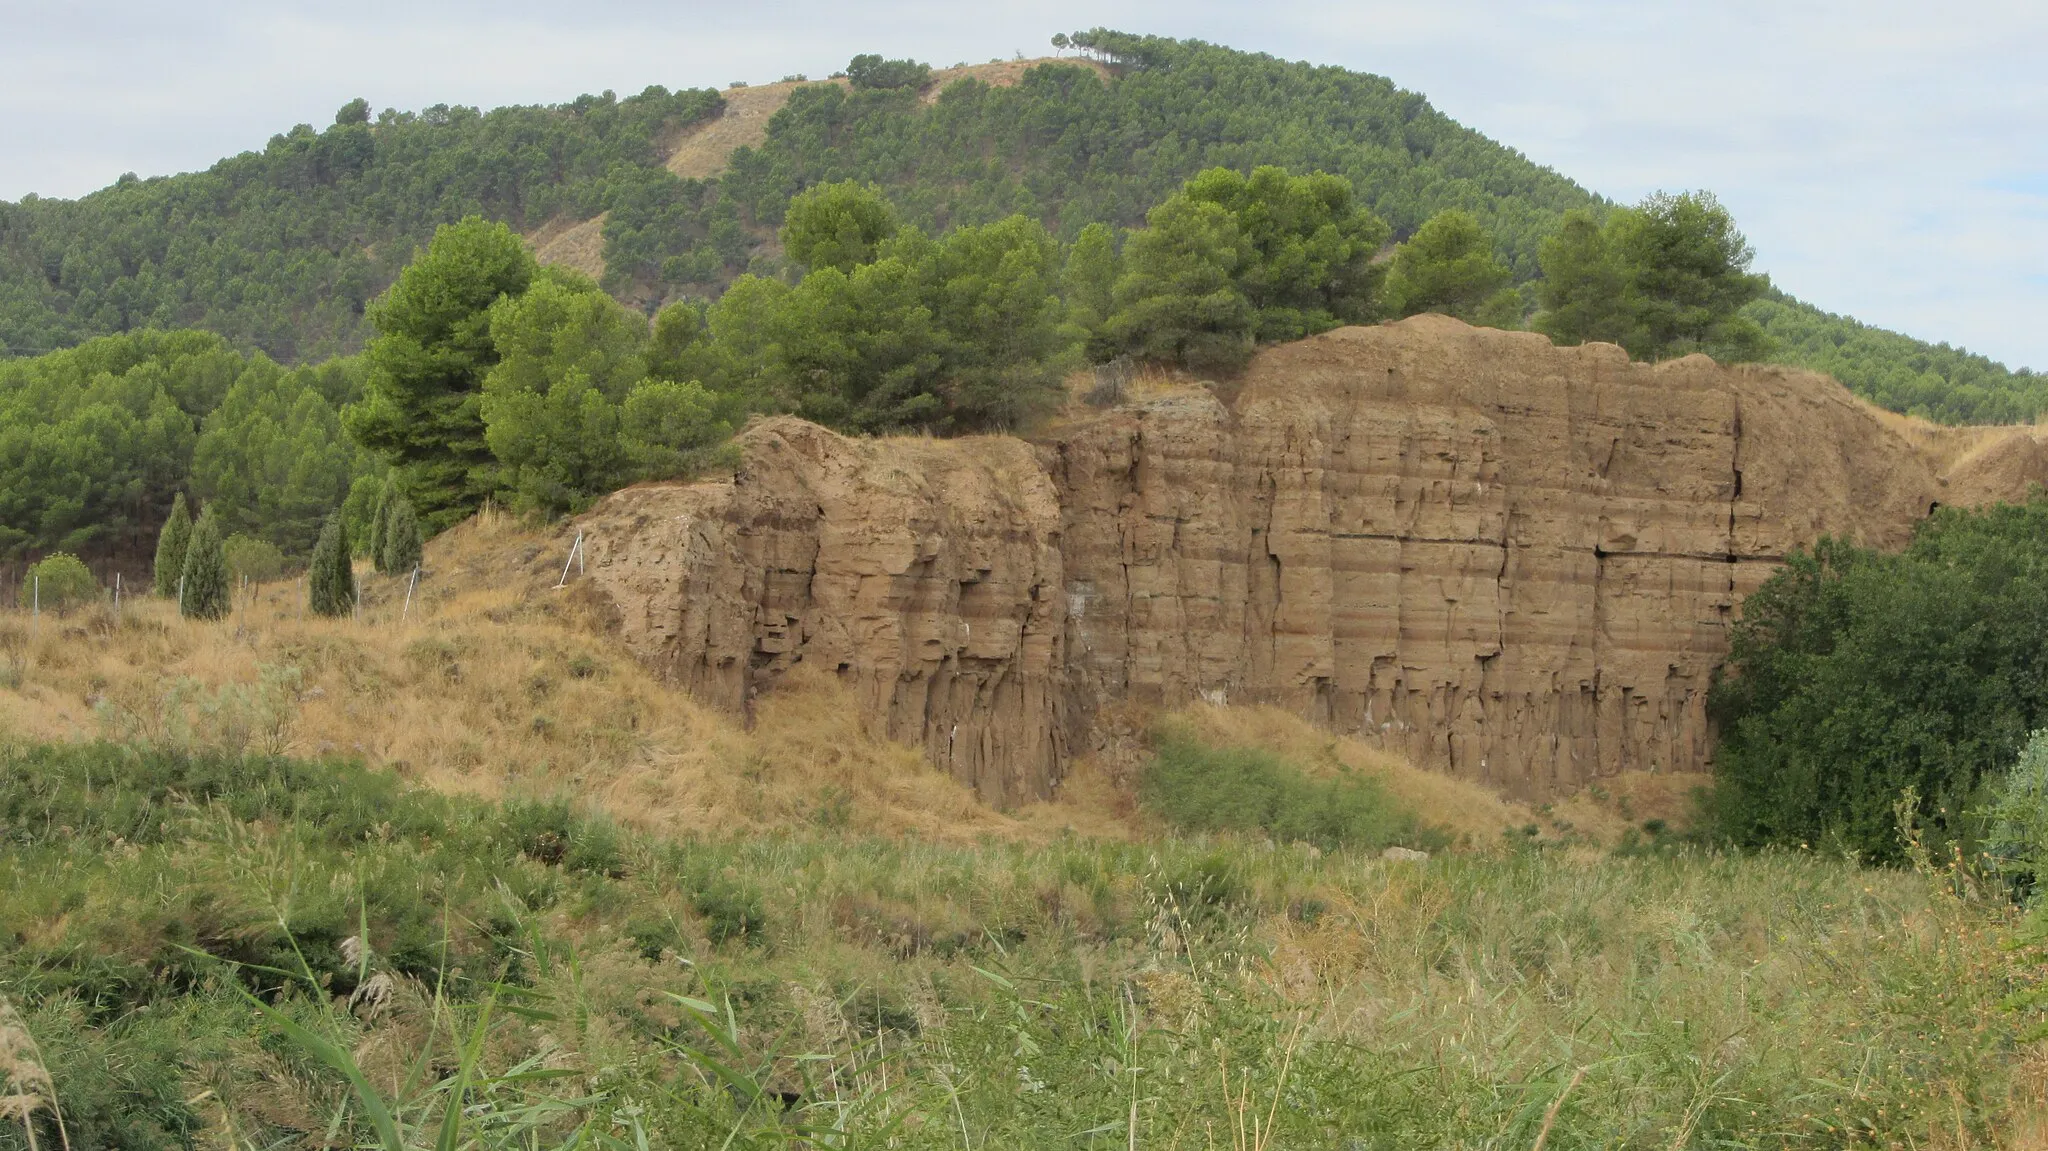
(1888, 159)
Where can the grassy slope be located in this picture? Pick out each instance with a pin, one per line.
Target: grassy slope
(1061, 145)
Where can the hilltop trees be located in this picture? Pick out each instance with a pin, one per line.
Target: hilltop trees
(1665, 278)
(1581, 290)
(423, 397)
(1449, 266)
(1230, 260)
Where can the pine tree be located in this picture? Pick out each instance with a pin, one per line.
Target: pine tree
(402, 543)
(330, 578)
(170, 548)
(381, 519)
(206, 572)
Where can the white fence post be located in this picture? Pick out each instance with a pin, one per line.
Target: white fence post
(575, 557)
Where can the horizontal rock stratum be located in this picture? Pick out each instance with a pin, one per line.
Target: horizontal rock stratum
(1514, 562)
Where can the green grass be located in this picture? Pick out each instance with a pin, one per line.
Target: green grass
(180, 933)
(1246, 789)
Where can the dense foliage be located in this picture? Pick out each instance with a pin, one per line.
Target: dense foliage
(96, 443)
(58, 583)
(1859, 678)
(1666, 278)
(1449, 266)
(1229, 261)
(283, 249)
(330, 575)
(171, 541)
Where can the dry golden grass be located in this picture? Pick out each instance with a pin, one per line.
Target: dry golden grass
(495, 683)
(491, 684)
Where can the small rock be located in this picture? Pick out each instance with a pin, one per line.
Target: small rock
(1404, 855)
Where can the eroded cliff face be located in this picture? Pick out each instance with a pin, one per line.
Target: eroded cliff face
(1514, 562)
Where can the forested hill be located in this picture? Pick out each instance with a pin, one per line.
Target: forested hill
(280, 250)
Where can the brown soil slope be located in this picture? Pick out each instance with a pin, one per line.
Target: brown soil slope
(1514, 562)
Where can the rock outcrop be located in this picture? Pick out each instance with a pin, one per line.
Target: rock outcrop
(1514, 562)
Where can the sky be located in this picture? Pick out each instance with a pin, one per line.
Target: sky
(1888, 160)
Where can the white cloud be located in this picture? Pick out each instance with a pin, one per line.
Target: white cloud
(1888, 159)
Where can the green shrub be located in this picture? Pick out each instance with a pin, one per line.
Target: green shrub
(731, 911)
(205, 594)
(330, 575)
(1856, 677)
(2016, 832)
(554, 833)
(402, 544)
(171, 543)
(59, 582)
(252, 559)
(1198, 788)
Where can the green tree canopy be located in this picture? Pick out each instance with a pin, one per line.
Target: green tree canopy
(1666, 278)
(423, 395)
(253, 559)
(1447, 266)
(871, 71)
(1689, 276)
(1232, 259)
(1581, 293)
(837, 225)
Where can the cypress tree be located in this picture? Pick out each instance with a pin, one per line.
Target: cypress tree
(381, 519)
(206, 572)
(330, 578)
(171, 543)
(402, 543)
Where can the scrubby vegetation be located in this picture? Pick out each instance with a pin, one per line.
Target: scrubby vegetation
(560, 978)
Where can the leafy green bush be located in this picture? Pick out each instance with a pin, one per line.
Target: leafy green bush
(1855, 677)
(1199, 788)
(731, 911)
(59, 582)
(255, 560)
(2016, 831)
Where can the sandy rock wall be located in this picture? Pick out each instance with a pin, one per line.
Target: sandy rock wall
(1514, 562)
